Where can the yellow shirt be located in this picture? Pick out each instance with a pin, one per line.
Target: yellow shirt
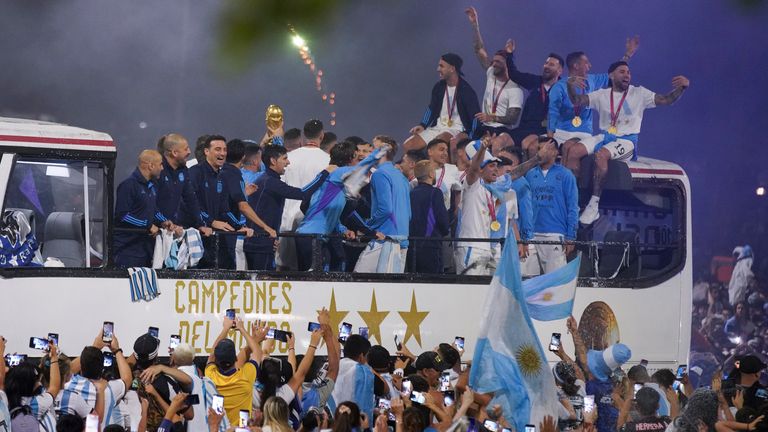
(237, 388)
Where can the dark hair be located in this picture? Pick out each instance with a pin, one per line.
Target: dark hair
(558, 58)
(449, 354)
(20, 382)
(546, 139)
(664, 377)
(70, 423)
(463, 143)
(292, 134)
(514, 151)
(355, 346)
(235, 150)
(211, 138)
(385, 139)
(414, 419)
(502, 53)
(343, 153)
(573, 57)
(615, 65)
(272, 152)
(309, 421)
(200, 145)
(647, 401)
(45, 368)
(271, 376)
(328, 139)
(114, 428)
(345, 422)
(313, 129)
(418, 383)
(417, 155)
(435, 142)
(378, 358)
(251, 149)
(356, 140)
(91, 362)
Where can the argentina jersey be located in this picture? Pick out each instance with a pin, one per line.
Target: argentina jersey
(42, 407)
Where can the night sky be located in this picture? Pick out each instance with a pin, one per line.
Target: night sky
(110, 65)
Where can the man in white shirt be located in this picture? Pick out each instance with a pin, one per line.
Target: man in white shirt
(620, 107)
(305, 163)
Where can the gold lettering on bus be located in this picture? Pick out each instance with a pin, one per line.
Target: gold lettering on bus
(247, 296)
(179, 286)
(207, 295)
(288, 307)
(232, 296)
(272, 296)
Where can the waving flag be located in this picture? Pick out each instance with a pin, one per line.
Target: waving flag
(550, 296)
(509, 360)
(355, 180)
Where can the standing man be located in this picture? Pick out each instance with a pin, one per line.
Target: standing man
(569, 124)
(135, 207)
(306, 163)
(390, 216)
(429, 219)
(620, 108)
(452, 108)
(269, 201)
(503, 99)
(556, 199)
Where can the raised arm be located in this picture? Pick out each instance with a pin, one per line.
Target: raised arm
(477, 39)
(226, 327)
(633, 43)
(581, 349)
(524, 167)
(473, 172)
(679, 84)
(331, 344)
(306, 362)
(577, 99)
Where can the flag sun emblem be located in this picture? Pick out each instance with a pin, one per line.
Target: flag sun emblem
(528, 359)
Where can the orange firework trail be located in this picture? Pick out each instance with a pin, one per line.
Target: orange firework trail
(309, 61)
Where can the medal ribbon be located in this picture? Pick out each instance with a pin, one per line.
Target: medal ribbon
(491, 205)
(496, 96)
(440, 180)
(451, 103)
(615, 117)
(577, 109)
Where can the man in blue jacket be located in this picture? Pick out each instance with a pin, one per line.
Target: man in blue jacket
(556, 213)
(452, 108)
(429, 219)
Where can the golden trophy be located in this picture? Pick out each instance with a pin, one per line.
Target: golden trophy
(274, 118)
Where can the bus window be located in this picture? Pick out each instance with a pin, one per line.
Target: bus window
(651, 218)
(52, 194)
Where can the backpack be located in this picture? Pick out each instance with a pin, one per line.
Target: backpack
(22, 420)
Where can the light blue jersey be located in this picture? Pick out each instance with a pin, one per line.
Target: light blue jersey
(5, 415)
(561, 111)
(390, 203)
(556, 199)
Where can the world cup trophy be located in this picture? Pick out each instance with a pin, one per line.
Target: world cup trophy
(274, 118)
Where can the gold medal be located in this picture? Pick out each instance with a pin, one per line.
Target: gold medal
(612, 130)
(450, 123)
(495, 226)
(576, 122)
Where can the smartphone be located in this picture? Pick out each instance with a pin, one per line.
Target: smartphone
(589, 403)
(218, 404)
(418, 397)
(506, 430)
(54, 337)
(278, 334)
(491, 425)
(344, 331)
(644, 363)
(193, 399)
(244, 416)
(445, 381)
(761, 393)
(676, 385)
(107, 331)
(464, 366)
(232, 314)
(682, 370)
(154, 331)
(398, 345)
(530, 428)
(109, 359)
(92, 423)
(312, 326)
(386, 405)
(38, 343)
(175, 341)
(407, 388)
(15, 359)
(363, 331)
(459, 342)
(554, 342)
(638, 386)
(449, 397)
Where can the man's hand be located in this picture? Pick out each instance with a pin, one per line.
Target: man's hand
(569, 248)
(315, 337)
(259, 333)
(522, 250)
(416, 130)
(149, 374)
(247, 231)
(178, 230)
(250, 188)
(240, 326)
(205, 231)
(221, 225)
(548, 425)
(571, 324)
(396, 405)
(324, 317)
(471, 15)
(291, 341)
(349, 235)
(178, 402)
(577, 81)
(228, 323)
(633, 43)
(272, 233)
(509, 46)
(114, 345)
(214, 419)
(380, 235)
(680, 82)
(153, 230)
(484, 118)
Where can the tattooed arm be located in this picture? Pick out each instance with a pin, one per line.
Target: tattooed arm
(680, 83)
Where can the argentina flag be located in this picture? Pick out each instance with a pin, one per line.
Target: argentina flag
(509, 360)
(550, 296)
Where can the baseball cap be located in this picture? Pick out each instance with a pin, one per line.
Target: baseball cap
(430, 360)
(145, 349)
(225, 354)
(751, 364)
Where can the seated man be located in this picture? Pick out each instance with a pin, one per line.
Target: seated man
(620, 108)
(452, 107)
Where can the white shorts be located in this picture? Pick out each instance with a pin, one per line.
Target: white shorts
(562, 136)
(473, 261)
(621, 149)
(544, 258)
(381, 257)
(431, 133)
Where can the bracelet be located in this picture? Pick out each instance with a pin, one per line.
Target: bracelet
(54, 362)
(312, 346)
(119, 350)
(291, 349)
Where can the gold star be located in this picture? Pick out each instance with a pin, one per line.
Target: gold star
(413, 319)
(336, 316)
(373, 319)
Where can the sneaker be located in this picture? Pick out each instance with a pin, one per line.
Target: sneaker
(590, 214)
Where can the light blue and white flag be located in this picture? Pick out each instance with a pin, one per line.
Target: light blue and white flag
(550, 296)
(509, 360)
(358, 177)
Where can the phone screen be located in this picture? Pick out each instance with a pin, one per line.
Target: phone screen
(637, 388)
(459, 342)
(175, 341)
(445, 381)
(218, 404)
(530, 428)
(109, 359)
(345, 331)
(406, 388)
(108, 331)
(386, 405)
(589, 403)
(231, 314)
(312, 326)
(449, 397)
(464, 366)
(54, 337)
(38, 343)
(554, 342)
(244, 416)
(491, 425)
(278, 334)
(681, 371)
(92, 423)
(761, 393)
(15, 359)
(363, 331)
(154, 332)
(418, 397)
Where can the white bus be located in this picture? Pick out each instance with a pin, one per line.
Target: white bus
(637, 291)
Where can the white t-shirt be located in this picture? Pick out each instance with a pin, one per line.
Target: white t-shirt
(476, 202)
(631, 114)
(447, 180)
(5, 415)
(455, 118)
(511, 96)
(199, 423)
(305, 164)
(43, 409)
(130, 406)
